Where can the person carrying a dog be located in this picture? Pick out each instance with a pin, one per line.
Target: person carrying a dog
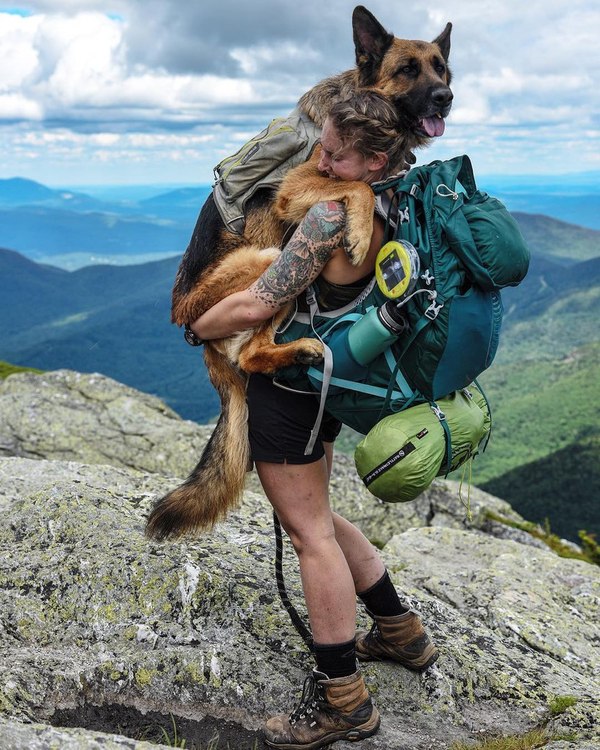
(359, 142)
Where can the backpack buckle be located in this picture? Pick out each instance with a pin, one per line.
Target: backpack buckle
(433, 310)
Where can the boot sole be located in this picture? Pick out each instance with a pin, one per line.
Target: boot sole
(413, 665)
(349, 735)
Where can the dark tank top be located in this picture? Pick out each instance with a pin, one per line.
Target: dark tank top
(331, 296)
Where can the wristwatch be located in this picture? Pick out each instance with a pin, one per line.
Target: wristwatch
(191, 337)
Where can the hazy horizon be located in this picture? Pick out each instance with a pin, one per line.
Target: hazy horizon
(157, 92)
(587, 178)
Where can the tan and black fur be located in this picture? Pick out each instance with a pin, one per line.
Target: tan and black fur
(414, 75)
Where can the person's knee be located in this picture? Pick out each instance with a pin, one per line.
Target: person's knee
(310, 540)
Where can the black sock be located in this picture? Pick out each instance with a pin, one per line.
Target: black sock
(382, 599)
(336, 659)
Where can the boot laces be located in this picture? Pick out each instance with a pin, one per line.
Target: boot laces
(374, 634)
(311, 697)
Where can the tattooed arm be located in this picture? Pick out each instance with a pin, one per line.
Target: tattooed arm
(312, 245)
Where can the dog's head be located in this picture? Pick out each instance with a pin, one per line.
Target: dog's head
(414, 75)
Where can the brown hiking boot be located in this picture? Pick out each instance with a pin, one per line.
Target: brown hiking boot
(401, 638)
(329, 710)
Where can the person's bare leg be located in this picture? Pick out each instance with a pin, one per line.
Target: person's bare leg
(362, 557)
(340, 706)
(299, 495)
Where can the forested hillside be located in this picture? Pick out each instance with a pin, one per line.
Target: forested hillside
(543, 386)
(109, 319)
(544, 455)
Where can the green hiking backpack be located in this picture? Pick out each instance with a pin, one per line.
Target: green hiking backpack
(474, 248)
(469, 247)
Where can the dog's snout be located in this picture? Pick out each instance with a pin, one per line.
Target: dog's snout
(442, 96)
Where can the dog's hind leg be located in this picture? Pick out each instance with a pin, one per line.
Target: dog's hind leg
(235, 272)
(216, 485)
(262, 354)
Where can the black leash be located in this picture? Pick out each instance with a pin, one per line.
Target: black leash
(303, 631)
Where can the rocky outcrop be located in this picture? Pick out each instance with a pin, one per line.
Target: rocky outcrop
(97, 620)
(65, 415)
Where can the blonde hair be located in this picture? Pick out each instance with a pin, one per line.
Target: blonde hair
(368, 122)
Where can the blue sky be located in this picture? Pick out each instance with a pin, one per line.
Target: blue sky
(154, 91)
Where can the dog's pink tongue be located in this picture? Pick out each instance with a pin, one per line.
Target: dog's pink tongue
(434, 126)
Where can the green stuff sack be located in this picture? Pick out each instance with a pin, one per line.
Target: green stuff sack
(403, 453)
(468, 424)
(479, 398)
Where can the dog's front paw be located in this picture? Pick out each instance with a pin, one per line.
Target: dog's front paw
(356, 246)
(309, 352)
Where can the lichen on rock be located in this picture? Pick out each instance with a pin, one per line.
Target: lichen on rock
(94, 614)
(65, 415)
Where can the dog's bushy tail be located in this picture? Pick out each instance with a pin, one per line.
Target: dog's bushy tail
(215, 486)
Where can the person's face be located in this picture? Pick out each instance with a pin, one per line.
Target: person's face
(344, 162)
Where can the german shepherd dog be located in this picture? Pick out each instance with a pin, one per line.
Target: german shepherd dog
(415, 76)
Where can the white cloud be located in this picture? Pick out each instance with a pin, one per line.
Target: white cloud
(113, 75)
(62, 156)
(86, 59)
(507, 80)
(61, 67)
(265, 58)
(18, 56)
(17, 107)
(200, 91)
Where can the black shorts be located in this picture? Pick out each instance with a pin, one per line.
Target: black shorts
(280, 423)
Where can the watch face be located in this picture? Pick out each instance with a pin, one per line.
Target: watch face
(191, 337)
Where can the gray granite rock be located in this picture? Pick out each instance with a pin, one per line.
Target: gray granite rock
(93, 615)
(15, 735)
(65, 415)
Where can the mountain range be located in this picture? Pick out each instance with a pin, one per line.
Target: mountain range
(109, 319)
(114, 319)
(72, 229)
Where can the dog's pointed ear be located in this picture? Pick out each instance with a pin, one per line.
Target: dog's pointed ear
(443, 41)
(371, 42)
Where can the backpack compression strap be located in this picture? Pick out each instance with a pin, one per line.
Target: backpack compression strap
(311, 299)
